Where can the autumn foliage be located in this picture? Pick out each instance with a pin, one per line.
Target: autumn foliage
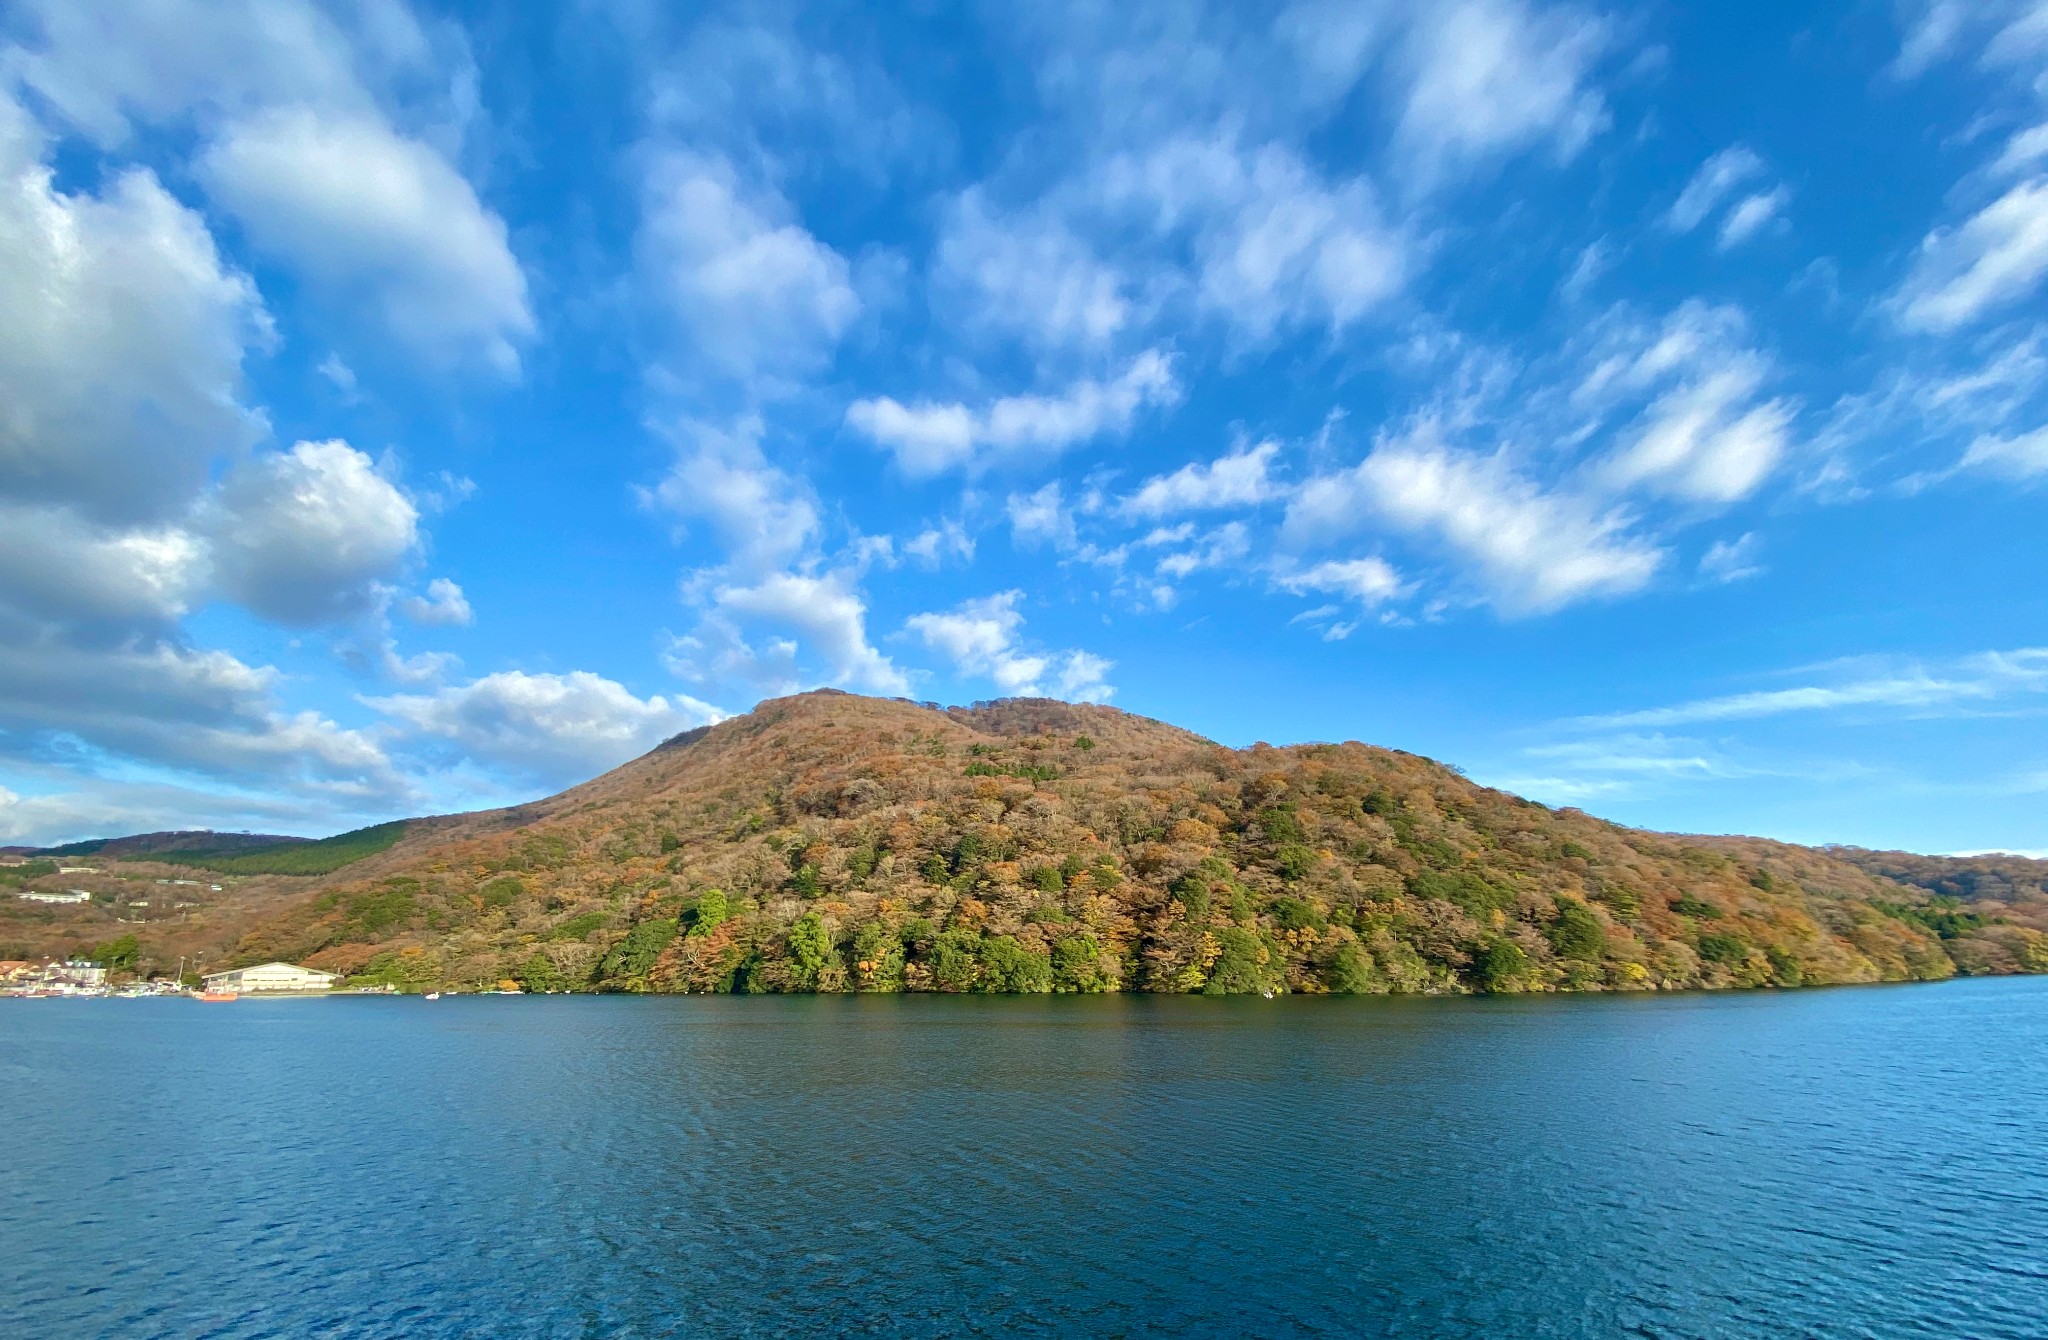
(835, 843)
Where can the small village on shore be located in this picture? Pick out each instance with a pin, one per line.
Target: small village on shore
(80, 978)
(74, 978)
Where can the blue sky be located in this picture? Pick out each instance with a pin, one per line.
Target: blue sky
(406, 409)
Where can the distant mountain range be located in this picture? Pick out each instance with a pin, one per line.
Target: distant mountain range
(830, 842)
(153, 844)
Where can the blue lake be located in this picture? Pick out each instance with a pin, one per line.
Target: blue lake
(1853, 1162)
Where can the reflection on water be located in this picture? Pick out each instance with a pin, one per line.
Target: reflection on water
(1831, 1163)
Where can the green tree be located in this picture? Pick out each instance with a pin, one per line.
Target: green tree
(1080, 965)
(1351, 972)
(1501, 965)
(1294, 914)
(1295, 860)
(810, 949)
(878, 958)
(1577, 932)
(633, 958)
(578, 926)
(1193, 892)
(1246, 965)
(1785, 969)
(713, 909)
(500, 892)
(956, 960)
(118, 955)
(1464, 888)
(1718, 947)
(1007, 966)
(539, 973)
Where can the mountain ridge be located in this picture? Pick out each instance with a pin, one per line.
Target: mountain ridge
(834, 842)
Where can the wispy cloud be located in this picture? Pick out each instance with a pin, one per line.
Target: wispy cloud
(1977, 679)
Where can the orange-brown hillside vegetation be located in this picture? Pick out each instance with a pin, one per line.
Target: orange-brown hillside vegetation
(829, 842)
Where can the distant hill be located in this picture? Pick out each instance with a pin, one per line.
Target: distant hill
(295, 856)
(1991, 878)
(235, 853)
(829, 842)
(143, 845)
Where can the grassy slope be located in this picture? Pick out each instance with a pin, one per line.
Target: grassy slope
(830, 842)
(290, 856)
(142, 846)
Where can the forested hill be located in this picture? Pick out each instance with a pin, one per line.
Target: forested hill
(1994, 877)
(837, 843)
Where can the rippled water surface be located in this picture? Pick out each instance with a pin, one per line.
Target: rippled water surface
(1859, 1162)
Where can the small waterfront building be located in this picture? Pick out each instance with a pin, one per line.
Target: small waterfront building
(70, 975)
(270, 977)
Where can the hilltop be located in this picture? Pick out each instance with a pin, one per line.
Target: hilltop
(829, 842)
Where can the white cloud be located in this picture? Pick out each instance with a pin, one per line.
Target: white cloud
(1536, 550)
(929, 438)
(1237, 480)
(762, 517)
(1706, 441)
(443, 605)
(1042, 517)
(1993, 261)
(307, 536)
(376, 219)
(1930, 37)
(1594, 260)
(1716, 178)
(555, 728)
(1221, 547)
(2013, 33)
(1488, 77)
(116, 312)
(1079, 677)
(1979, 679)
(929, 546)
(1370, 581)
(2023, 456)
(832, 618)
(1751, 215)
(74, 807)
(717, 656)
(759, 297)
(1733, 560)
(982, 638)
(100, 66)
(1706, 436)
(1030, 276)
(57, 567)
(752, 83)
(193, 711)
(1273, 243)
(341, 375)
(1935, 406)
(826, 614)
(2023, 152)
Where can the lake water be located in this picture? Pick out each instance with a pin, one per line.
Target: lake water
(1854, 1162)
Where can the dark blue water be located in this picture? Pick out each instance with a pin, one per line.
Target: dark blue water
(1858, 1162)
